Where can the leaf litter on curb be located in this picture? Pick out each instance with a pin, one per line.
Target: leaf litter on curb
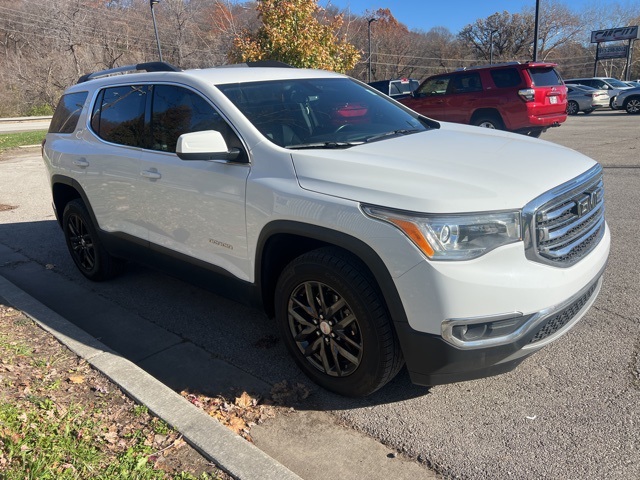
(247, 410)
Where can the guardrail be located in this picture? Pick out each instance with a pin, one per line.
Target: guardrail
(25, 119)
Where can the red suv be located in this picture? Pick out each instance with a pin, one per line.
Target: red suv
(526, 98)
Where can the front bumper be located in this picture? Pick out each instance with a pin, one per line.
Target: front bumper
(433, 361)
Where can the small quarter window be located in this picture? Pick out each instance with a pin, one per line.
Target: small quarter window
(65, 118)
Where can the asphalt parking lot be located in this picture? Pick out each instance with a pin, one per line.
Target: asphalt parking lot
(571, 411)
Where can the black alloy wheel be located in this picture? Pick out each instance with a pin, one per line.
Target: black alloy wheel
(91, 258)
(335, 324)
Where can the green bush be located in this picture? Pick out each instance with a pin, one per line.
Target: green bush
(40, 111)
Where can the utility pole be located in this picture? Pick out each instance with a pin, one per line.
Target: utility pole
(535, 33)
(371, 20)
(155, 27)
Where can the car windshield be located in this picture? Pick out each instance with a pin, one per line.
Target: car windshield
(321, 113)
(616, 83)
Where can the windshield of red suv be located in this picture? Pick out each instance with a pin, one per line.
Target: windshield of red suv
(545, 77)
(321, 113)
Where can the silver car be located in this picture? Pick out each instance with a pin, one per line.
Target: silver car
(629, 100)
(581, 98)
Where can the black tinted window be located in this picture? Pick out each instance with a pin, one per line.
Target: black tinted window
(545, 77)
(67, 113)
(175, 111)
(118, 115)
(466, 82)
(506, 77)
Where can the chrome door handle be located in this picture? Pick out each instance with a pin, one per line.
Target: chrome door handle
(81, 162)
(153, 175)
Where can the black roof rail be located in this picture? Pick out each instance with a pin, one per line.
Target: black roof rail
(260, 63)
(140, 67)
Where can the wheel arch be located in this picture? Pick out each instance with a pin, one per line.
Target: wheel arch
(282, 241)
(63, 190)
(487, 112)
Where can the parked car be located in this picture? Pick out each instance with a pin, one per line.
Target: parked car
(581, 98)
(629, 100)
(525, 98)
(398, 88)
(374, 235)
(611, 85)
(633, 83)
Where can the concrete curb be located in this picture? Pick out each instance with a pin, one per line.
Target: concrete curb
(217, 443)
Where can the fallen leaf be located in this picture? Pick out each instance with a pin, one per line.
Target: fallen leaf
(76, 379)
(244, 400)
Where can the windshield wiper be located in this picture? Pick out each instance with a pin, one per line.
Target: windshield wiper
(327, 145)
(393, 133)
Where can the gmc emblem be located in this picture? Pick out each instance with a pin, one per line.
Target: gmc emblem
(588, 202)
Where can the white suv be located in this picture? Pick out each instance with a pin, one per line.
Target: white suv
(613, 86)
(375, 236)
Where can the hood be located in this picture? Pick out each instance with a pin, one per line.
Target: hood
(453, 169)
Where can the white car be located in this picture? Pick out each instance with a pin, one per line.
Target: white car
(375, 236)
(613, 86)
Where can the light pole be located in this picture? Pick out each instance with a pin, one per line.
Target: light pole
(371, 20)
(155, 27)
(535, 33)
(491, 46)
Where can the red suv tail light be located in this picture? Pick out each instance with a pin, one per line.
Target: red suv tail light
(527, 94)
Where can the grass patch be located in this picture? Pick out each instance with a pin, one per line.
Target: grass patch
(13, 140)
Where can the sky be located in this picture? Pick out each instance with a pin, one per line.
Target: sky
(452, 14)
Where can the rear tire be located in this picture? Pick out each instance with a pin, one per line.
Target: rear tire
(572, 107)
(613, 99)
(84, 245)
(335, 324)
(489, 121)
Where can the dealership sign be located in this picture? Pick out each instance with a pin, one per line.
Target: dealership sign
(615, 34)
(617, 51)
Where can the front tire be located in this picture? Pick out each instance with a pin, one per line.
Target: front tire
(86, 250)
(632, 106)
(334, 323)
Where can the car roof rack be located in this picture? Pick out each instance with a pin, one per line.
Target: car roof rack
(488, 65)
(140, 67)
(260, 63)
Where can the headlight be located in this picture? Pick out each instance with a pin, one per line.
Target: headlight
(454, 237)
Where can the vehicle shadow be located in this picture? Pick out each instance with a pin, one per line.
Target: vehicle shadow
(188, 338)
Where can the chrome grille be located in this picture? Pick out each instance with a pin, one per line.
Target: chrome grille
(565, 224)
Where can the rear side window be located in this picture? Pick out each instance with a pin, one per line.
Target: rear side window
(466, 83)
(67, 113)
(506, 77)
(545, 77)
(118, 115)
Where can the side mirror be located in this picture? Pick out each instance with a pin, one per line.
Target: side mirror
(205, 145)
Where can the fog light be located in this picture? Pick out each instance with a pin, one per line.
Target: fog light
(483, 332)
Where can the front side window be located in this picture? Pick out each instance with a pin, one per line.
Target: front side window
(67, 113)
(434, 86)
(118, 115)
(177, 110)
